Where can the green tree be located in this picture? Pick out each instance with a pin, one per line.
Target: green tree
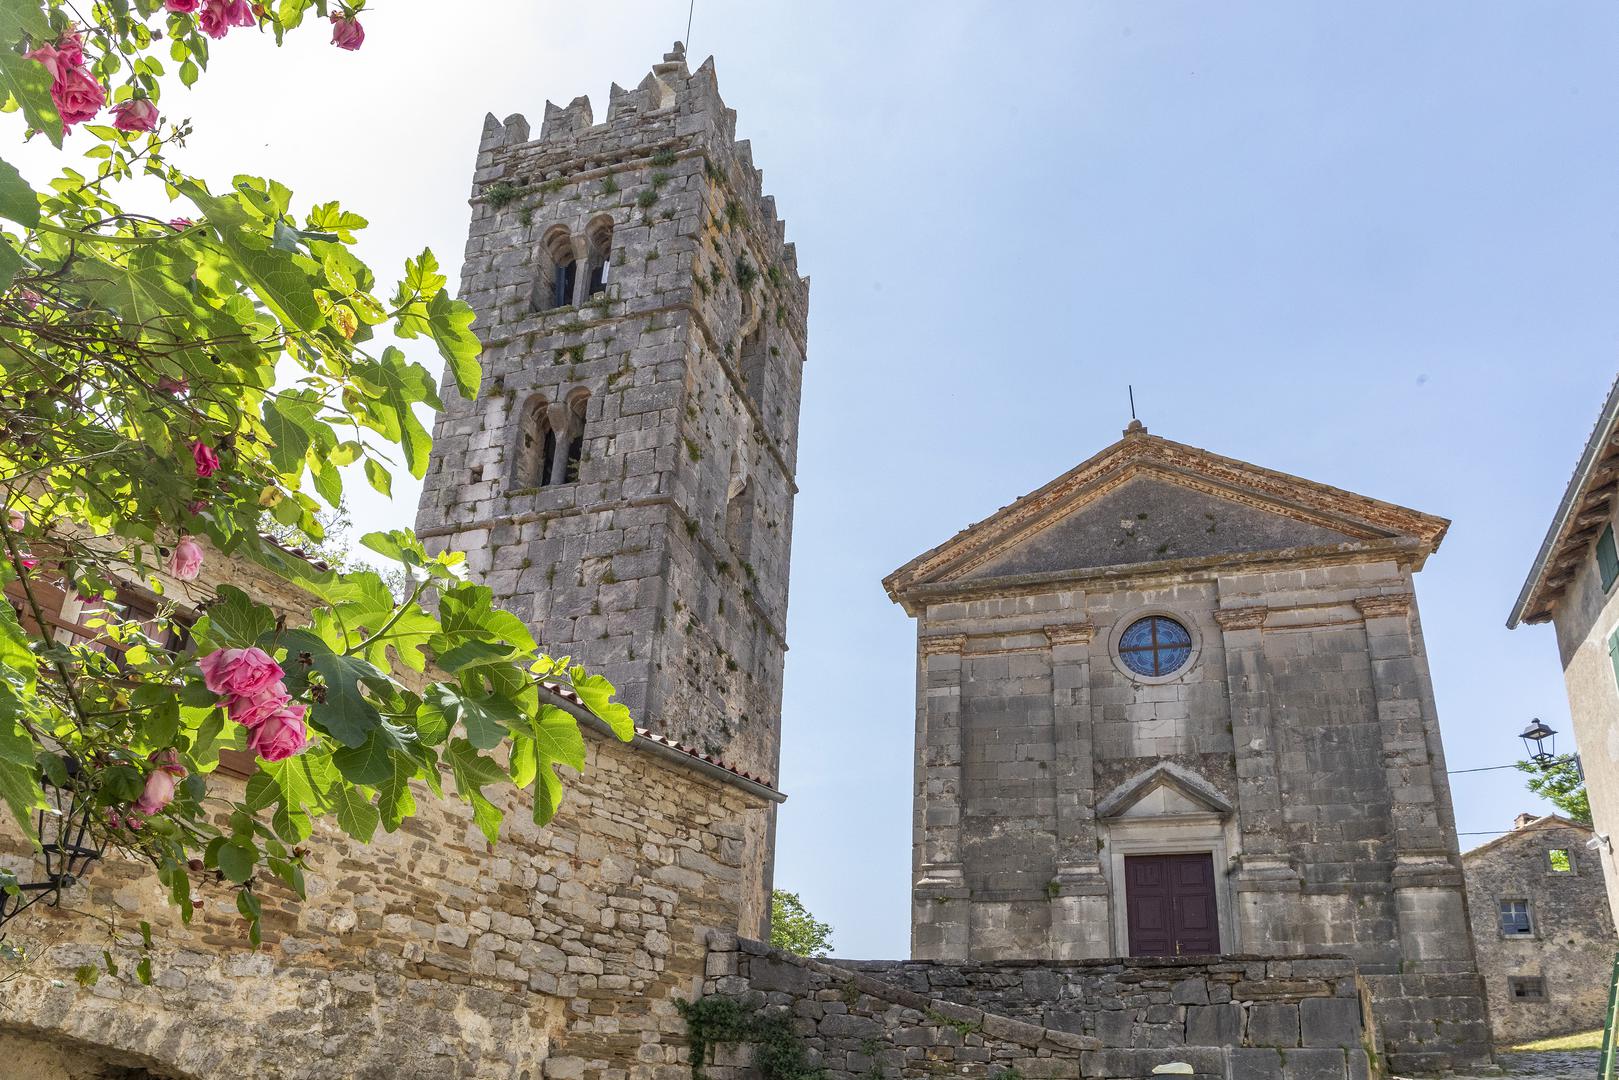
(1562, 785)
(794, 929)
(170, 374)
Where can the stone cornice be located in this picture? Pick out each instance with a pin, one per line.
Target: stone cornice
(1369, 520)
(1379, 607)
(1070, 634)
(1242, 618)
(1201, 568)
(939, 644)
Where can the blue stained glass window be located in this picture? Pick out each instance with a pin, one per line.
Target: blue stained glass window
(1155, 646)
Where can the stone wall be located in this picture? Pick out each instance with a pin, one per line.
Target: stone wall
(427, 954)
(1244, 1003)
(1243, 1018)
(1571, 944)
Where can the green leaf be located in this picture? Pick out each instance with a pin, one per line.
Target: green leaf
(19, 783)
(487, 719)
(379, 477)
(17, 200)
(24, 17)
(10, 263)
(347, 715)
(234, 620)
(357, 817)
(450, 323)
(30, 84)
(288, 421)
(285, 288)
(559, 739)
(597, 694)
(237, 859)
(472, 772)
(372, 763)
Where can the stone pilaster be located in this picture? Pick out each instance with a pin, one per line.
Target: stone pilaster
(941, 922)
(1264, 866)
(1427, 882)
(1079, 913)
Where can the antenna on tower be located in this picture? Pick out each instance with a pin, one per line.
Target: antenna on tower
(1132, 390)
(692, 8)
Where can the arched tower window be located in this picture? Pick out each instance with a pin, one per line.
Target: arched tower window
(558, 279)
(574, 446)
(550, 441)
(536, 447)
(599, 235)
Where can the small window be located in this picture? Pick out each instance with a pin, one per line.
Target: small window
(1527, 989)
(1607, 559)
(1561, 859)
(600, 236)
(1155, 646)
(477, 474)
(1515, 919)
(558, 277)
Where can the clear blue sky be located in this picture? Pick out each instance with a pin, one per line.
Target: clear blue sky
(1370, 244)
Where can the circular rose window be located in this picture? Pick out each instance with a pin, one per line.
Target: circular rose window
(1155, 646)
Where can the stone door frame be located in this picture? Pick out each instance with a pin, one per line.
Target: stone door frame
(1183, 834)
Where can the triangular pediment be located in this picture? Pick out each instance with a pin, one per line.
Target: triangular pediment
(1146, 501)
(1163, 791)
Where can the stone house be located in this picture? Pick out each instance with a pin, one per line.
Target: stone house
(1542, 928)
(1572, 585)
(1174, 704)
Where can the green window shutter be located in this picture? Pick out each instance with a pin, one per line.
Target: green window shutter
(1607, 559)
(1613, 654)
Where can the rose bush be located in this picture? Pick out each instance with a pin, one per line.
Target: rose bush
(166, 379)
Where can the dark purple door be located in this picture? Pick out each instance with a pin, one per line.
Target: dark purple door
(1169, 900)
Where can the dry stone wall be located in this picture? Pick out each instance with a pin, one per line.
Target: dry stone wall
(428, 954)
(1242, 1018)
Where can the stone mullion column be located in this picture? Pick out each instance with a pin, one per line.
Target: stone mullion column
(1080, 927)
(1427, 882)
(1265, 865)
(941, 922)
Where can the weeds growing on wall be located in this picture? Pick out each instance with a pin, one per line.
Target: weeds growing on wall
(715, 1021)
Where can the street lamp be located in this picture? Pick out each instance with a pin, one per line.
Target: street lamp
(1535, 737)
(67, 844)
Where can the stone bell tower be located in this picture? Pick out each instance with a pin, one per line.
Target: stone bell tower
(624, 479)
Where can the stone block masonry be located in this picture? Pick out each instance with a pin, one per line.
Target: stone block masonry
(624, 481)
(1241, 1018)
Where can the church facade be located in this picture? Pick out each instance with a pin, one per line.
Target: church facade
(1174, 704)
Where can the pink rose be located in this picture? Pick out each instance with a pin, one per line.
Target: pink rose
(197, 506)
(240, 672)
(71, 47)
(207, 461)
(181, 7)
(158, 793)
(16, 520)
(240, 13)
(215, 18)
(186, 560)
(281, 735)
(251, 711)
(180, 224)
(168, 384)
(136, 114)
(347, 33)
(28, 561)
(78, 97)
(29, 299)
(52, 59)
